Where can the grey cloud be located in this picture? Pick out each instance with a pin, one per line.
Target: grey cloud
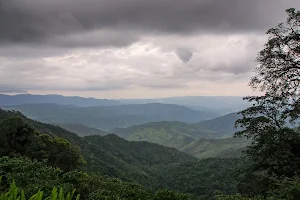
(184, 54)
(36, 21)
(17, 52)
(25, 76)
(60, 45)
(4, 88)
(236, 68)
(102, 38)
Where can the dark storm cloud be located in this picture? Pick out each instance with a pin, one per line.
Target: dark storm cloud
(184, 54)
(35, 21)
(102, 38)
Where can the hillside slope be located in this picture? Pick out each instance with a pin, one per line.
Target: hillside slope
(151, 165)
(223, 126)
(217, 148)
(82, 130)
(114, 156)
(187, 138)
(173, 134)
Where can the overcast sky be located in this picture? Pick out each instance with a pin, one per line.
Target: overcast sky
(133, 48)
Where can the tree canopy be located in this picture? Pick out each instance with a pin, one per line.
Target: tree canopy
(272, 119)
(278, 72)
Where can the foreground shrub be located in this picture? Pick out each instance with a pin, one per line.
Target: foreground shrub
(15, 194)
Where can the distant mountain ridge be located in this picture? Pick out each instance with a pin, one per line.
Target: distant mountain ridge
(182, 136)
(110, 117)
(11, 100)
(219, 105)
(191, 131)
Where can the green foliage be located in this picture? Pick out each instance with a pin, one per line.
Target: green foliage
(275, 148)
(34, 176)
(187, 138)
(19, 138)
(14, 136)
(157, 167)
(236, 197)
(30, 175)
(160, 131)
(15, 194)
(148, 164)
(278, 72)
(169, 195)
(205, 178)
(116, 189)
(277, 152)
(58, 151)
(286, 189)
(131, 161)
(82, 130)
(42, 127)
(217, 148)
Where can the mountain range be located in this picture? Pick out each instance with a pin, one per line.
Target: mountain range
(219, 105)
(10, 100)
(110, 117)
(201, 133)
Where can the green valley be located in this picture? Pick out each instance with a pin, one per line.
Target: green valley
(151, 165)
(187, 138)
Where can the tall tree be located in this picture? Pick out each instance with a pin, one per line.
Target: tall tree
(278, 72)
(275, 150)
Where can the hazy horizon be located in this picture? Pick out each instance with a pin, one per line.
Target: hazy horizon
(141, 98)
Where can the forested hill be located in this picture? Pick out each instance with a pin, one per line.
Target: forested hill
(162, 130)
(151, 165)
(188, 138)
(109, 117)
(43, 127)
(223, 126)
(112, 155)
(82, 130)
